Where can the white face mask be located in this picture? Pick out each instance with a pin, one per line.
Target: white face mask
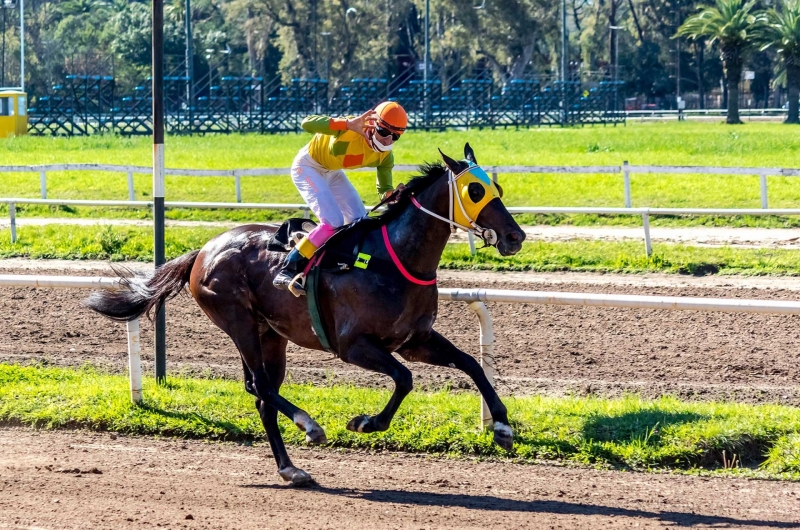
(376, 145)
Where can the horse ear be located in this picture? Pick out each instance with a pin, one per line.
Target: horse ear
(469, 154)
(454, 166)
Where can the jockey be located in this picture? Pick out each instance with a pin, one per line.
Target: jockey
(317, 171)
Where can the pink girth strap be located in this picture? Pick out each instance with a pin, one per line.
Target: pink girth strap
(399, 265)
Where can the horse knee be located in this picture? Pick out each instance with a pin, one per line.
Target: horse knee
(404, 381)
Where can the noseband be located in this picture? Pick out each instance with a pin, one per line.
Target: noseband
(488, 236)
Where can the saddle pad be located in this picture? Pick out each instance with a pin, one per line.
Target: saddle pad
(283, 240)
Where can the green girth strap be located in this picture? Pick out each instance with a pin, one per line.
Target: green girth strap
(312, 282)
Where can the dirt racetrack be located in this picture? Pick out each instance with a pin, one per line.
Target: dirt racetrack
(542, 349)
(77, 480)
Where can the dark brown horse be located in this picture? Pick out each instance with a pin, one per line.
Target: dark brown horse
(367, 315)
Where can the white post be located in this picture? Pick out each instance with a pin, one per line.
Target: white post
(306, 213)
(471, 237)
(131, 193)
(43, 183)
(627, 178)
(238, 188)
(648, 247)
(134, 361)
(12, 213)
(487, 354)
(764, 191)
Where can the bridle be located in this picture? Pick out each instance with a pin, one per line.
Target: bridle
(488, 235)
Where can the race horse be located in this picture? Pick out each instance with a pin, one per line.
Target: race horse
(367, 314)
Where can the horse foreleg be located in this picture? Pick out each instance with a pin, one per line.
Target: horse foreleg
(362, 352)
(439, 351)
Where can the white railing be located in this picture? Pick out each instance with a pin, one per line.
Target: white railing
(81, 282)
(476, 299)
(626, 170)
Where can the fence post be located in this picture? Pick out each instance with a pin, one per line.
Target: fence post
(43, 183)
(131, 193)
(134, 360)
(648, 247)
(764, 191)
(12, 213)
(306, 213)
(626, 175)
(487, 354)
(238, 179)
(471, 237)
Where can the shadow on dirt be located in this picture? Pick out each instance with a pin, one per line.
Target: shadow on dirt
(499, 504)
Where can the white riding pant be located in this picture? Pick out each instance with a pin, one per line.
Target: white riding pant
(328, 193)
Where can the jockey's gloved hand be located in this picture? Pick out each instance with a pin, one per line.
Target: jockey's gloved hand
(385, 195)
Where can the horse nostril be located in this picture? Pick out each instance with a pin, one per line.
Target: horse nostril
(514, 237)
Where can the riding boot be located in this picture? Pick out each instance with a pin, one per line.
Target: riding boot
(293, 265)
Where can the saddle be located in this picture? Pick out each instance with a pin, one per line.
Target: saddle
(341, 253)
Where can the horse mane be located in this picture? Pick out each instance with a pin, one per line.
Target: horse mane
(431, 172)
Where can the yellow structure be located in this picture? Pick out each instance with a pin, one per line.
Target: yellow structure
(13, 113)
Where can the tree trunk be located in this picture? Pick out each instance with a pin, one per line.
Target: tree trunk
(793, 84)
(701, 89)
(732, 62)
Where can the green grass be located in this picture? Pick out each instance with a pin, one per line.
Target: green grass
(136, 244)
(687, 143)
(627, 433)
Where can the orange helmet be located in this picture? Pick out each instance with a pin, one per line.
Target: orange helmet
(392, 116)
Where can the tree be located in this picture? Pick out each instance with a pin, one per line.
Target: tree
(731, 24)
(780, 29)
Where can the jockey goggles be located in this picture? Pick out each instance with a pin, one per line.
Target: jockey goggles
(384, 132)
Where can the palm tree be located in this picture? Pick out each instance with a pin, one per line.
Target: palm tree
(731, 24)
(780, 29)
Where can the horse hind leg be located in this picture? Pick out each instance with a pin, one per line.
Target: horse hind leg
(439, 351)
(273, 351)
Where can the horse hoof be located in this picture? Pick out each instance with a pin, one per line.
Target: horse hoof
(359, 424)
(316, 436)
(503, 436)
(297, 477)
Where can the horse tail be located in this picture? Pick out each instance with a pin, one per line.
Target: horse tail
(143, 295)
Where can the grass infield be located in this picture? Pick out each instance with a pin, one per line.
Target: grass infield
(627, 433)
(681, 143)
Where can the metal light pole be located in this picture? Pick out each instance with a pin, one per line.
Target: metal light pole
(564, 53)
(22, 45)
(427, 58)
(327, 34)
(616, 29)
(158, 179)
(189, 64)
(11, 4)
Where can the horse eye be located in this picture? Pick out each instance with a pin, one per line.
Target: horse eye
(499, 189)
(476, 192)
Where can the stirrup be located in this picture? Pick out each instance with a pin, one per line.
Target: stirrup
(300, 278)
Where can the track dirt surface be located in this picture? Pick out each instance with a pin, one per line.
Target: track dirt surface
(553, 350)
(72, 480)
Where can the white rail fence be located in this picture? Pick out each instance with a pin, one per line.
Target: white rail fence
(625, 170)
(94, 283)
(476, 298)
